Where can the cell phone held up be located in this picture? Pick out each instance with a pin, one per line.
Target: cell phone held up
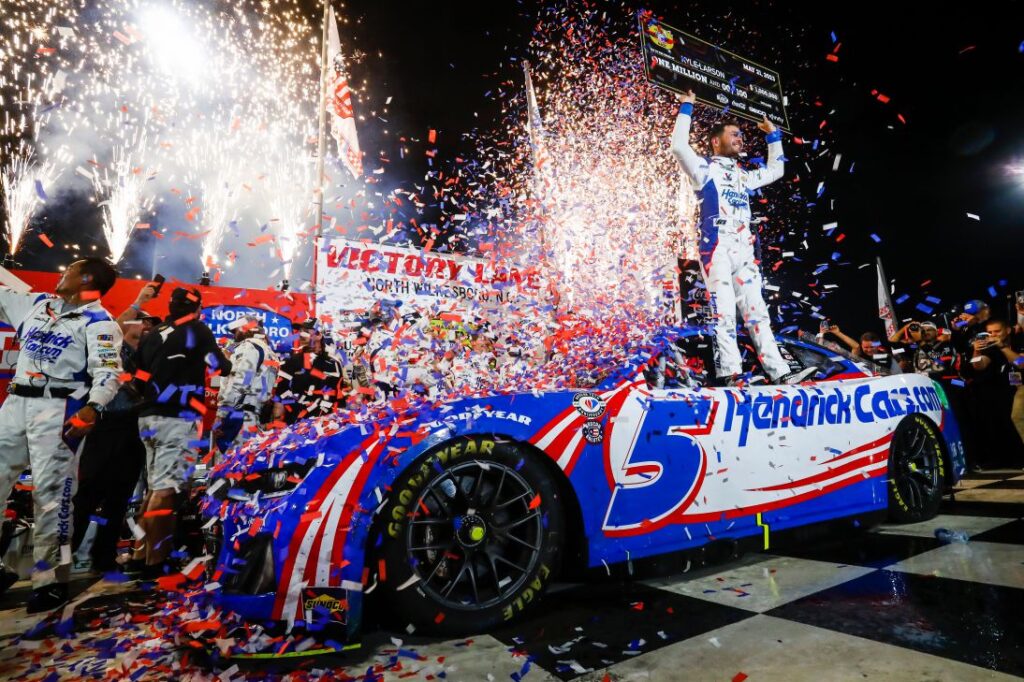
(158, 284)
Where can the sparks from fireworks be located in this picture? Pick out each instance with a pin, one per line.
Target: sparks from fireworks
(120, 190)
(22, 182)
(193, 72)
(290, 192)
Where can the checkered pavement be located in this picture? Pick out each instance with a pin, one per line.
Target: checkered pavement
(893, 603)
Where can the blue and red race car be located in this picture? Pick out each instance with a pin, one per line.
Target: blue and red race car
(459, 515)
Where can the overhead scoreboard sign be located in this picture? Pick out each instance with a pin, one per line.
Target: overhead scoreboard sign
(678, 61)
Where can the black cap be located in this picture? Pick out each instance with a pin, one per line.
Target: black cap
(186, 298)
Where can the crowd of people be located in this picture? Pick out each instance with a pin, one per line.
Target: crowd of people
(111, 414)
(977, 358)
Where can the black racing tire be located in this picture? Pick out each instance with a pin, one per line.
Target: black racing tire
(470, 537)
(916, 470)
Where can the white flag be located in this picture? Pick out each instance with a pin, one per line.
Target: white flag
(339, 103)
(885, 308)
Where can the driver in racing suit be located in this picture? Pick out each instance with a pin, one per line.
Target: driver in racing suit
(730, 269)
(68, 369)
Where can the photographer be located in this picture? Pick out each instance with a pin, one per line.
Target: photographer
(926, 349)
(995, 373)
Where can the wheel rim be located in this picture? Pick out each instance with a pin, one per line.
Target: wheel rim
(475, 536)
(915, 465)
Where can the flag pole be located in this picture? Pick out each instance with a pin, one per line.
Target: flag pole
(321, 141)
(321, 147)
(531, 103)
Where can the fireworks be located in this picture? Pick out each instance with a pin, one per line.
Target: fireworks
(123, 184)
(289, 189)
(159, 100)
(23, 182)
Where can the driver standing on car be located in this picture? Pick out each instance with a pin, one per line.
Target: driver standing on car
(730, 269)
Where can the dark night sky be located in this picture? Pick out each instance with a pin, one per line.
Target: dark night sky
(959, 84)
(913, 184)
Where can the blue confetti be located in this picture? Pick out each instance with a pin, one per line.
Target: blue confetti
(40, 192)
(902, 299)
(876, 238)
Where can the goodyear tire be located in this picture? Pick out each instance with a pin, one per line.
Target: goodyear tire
(916, 470)
(470, 537)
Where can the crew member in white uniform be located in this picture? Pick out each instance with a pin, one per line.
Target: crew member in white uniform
(249, 385)
(69, 368)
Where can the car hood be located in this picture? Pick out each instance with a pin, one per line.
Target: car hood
(320, 439)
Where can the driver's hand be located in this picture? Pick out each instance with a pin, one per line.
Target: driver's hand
(688, 96)
(766, 126)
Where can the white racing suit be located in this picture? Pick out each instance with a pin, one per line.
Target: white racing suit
(68, 357)
(730, 268)
(245, 390)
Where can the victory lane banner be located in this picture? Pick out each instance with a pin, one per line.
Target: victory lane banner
(353, 275)
(678, 61)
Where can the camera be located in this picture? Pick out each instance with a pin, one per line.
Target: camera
(914, 327)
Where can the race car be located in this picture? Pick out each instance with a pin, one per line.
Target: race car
(455, 517)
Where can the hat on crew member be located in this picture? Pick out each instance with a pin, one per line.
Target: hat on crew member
(975, 306)
(186, 298)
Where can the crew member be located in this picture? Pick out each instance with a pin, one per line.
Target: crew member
(249, 385)
(68, 369)
(172, 366)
